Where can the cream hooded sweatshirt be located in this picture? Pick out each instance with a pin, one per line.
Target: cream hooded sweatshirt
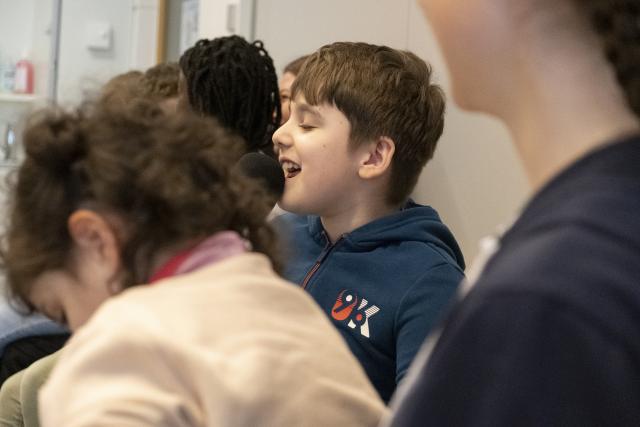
(230, 344)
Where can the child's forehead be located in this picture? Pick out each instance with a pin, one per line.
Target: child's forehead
(300, 104)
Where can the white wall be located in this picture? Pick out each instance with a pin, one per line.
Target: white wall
(218, 18)
(212, 18)
(475, 180)
(291, 28)
(41, 45)
(16, 27)
(82, 71)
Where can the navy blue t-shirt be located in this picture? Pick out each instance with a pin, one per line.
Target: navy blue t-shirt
(550, 333)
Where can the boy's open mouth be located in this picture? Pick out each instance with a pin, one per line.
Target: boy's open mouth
(290, 169)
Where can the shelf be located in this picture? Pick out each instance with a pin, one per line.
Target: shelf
(17, 97)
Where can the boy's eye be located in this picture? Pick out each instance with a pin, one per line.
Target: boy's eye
(304, 126)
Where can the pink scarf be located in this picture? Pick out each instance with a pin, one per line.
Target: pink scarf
(213, 249)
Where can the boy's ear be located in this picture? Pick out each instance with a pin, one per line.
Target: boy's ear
(95, 237)
(377, 158)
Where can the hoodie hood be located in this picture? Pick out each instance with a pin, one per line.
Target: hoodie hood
(414, 222)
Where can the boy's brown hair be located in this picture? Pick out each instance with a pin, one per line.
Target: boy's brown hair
(382, 92)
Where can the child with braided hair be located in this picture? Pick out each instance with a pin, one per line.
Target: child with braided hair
(236, 82)
(548, 334)
(131, 227)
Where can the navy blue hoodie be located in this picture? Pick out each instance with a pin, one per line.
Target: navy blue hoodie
(384, 284)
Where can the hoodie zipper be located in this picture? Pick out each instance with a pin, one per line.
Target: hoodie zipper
(325, 252)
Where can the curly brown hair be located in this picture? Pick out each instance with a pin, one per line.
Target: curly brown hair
(169, 177)
(122, 89)
(382, 92)
(161, 81)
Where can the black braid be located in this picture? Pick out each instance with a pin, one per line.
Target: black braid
(235, 81)
(618, 24)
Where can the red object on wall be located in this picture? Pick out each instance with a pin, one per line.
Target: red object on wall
(24, 77)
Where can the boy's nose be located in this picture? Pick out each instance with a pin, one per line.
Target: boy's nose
(282, 137)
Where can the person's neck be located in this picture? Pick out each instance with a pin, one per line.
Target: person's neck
(346, 219)
(567, 102)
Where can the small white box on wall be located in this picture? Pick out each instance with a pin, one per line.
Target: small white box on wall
(99, 35)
